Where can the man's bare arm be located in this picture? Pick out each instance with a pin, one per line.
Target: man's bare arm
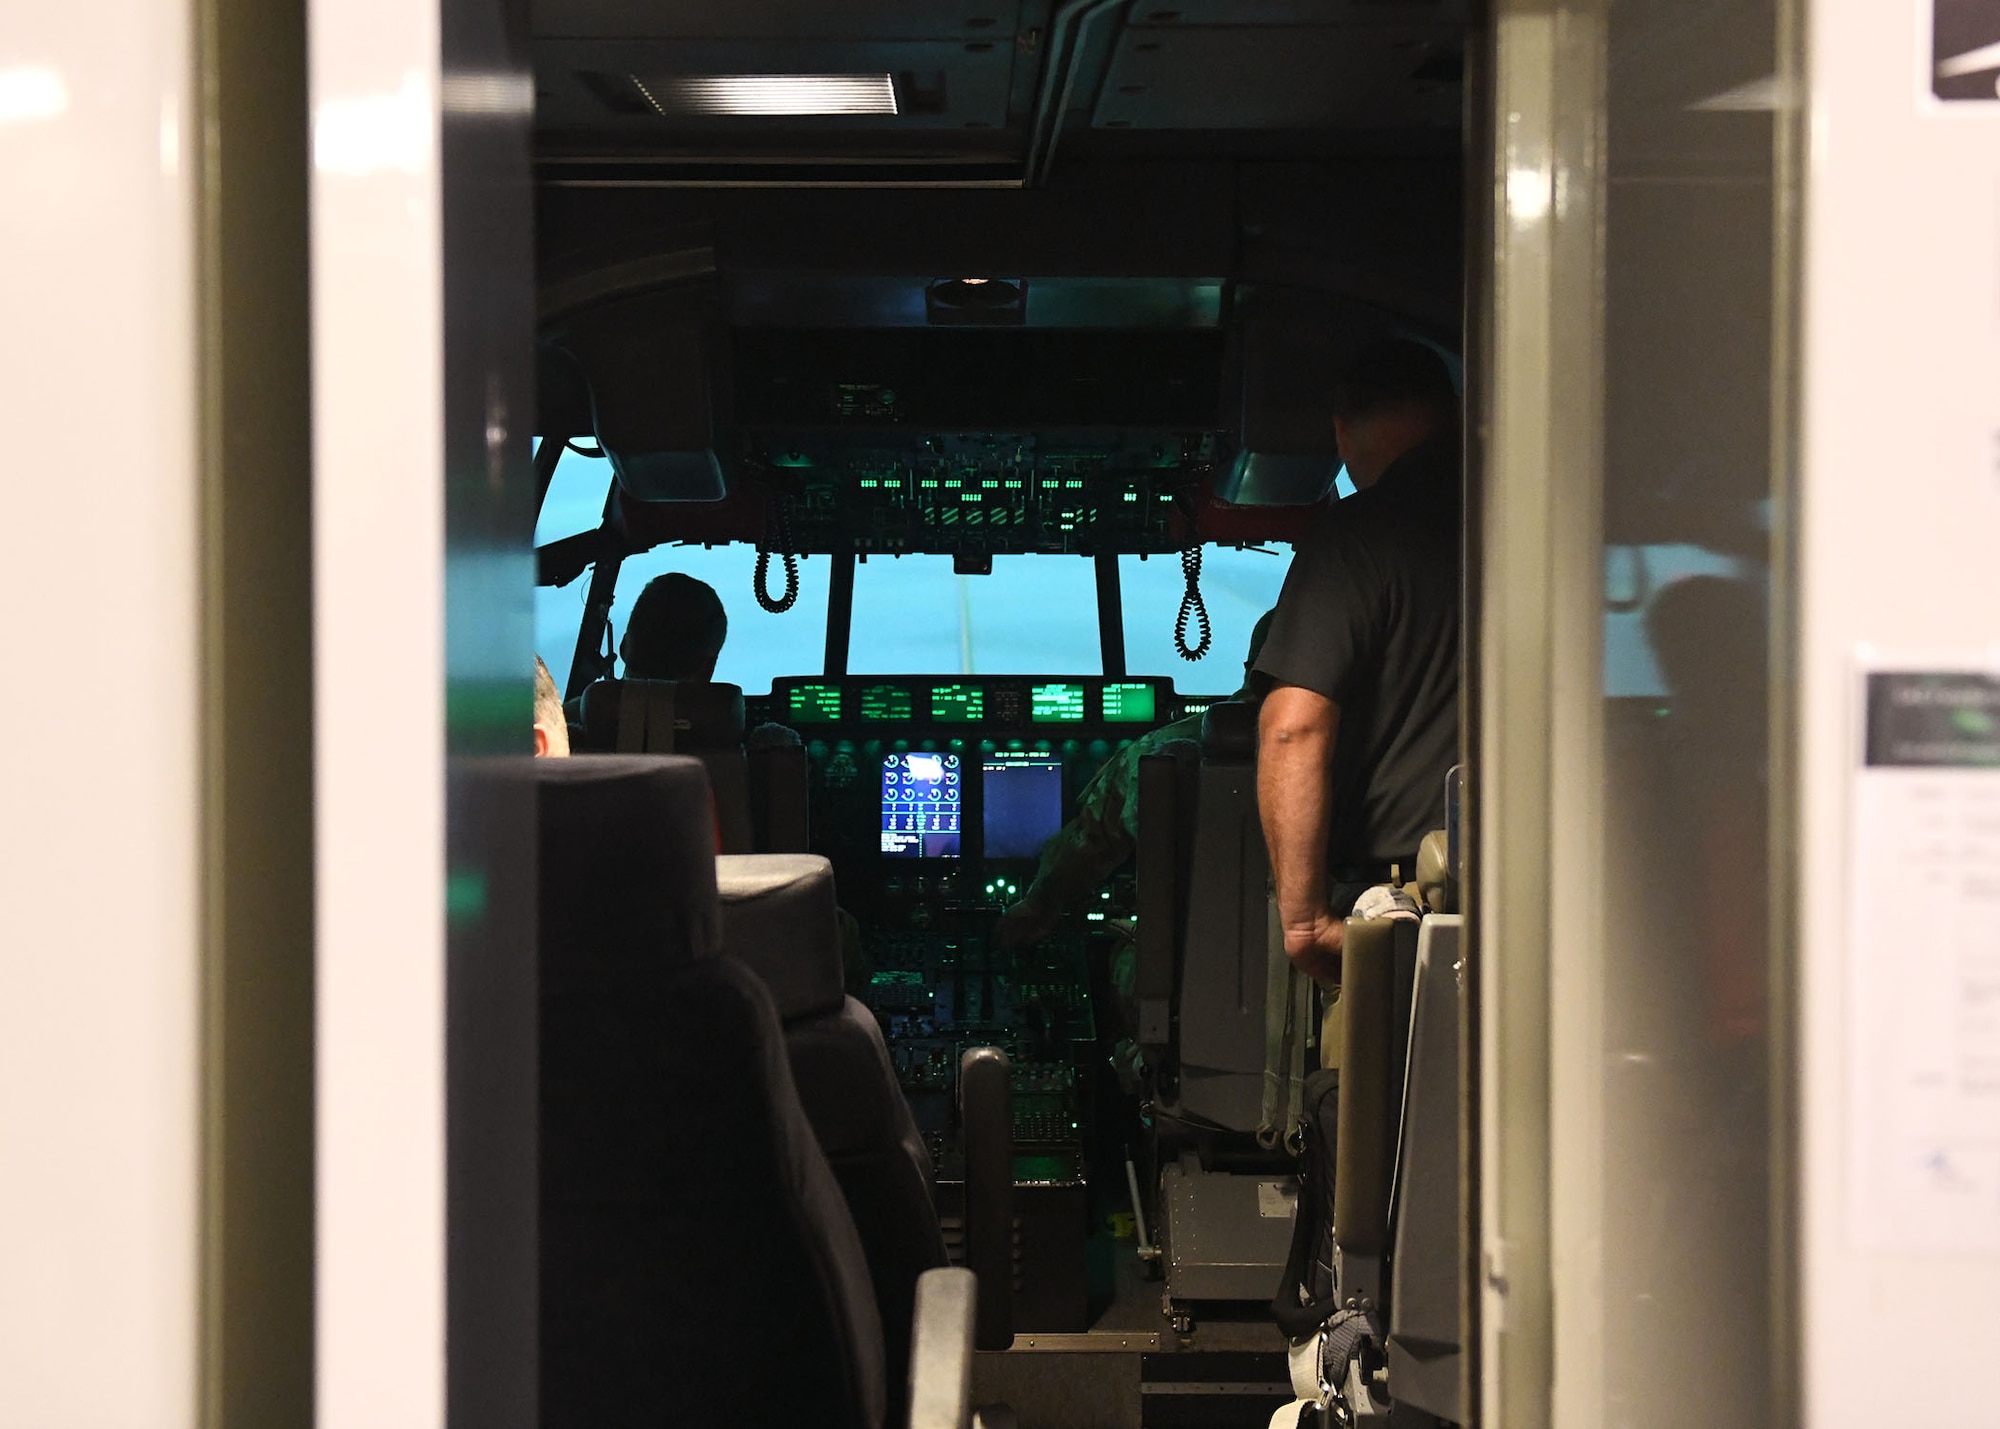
(1296, 732)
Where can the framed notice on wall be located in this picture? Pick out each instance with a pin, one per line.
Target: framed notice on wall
(1924, 961)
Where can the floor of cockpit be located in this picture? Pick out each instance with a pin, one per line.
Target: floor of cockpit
(1132, 1369)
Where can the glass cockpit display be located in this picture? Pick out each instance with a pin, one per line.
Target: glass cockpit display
(1024, 802)
(922, 800)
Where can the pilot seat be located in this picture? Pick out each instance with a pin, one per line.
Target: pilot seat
(1224, 1019)
(779, 919)
(759, 781)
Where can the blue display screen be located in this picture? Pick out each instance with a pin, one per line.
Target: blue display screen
(922, 797)
(1023, 802)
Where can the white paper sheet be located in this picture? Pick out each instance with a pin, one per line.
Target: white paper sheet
(1924, 959)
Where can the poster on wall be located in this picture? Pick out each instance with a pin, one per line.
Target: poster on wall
(1965, 50)
(1924, 961)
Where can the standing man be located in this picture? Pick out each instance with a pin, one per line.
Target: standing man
(1361, 723)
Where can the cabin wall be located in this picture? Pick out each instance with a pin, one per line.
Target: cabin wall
(100, 818)
(1898, 527)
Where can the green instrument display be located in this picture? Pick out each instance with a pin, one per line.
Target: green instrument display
(884, 704)
(1128, 701)
(1056, 704)
(958, 704)
(814, 704)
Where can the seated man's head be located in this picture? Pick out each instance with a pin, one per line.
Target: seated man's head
(675, 631)
(1256, 684)
(551, 728)
(1391, 396)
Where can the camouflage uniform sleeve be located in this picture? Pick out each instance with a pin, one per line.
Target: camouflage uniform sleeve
(1090, 847)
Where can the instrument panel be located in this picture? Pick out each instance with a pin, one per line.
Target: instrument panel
(933, 795)
(1000, 702)
(949, 785)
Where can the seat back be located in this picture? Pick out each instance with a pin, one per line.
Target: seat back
(679, 717)
(689, 1222)
(779, 919)
(1162, 857)
(1226, 959)
(1426, 1337)
(1377, 972)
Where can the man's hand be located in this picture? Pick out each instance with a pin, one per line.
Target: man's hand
(1296, 733)
(1024, 923)
(1314, 946)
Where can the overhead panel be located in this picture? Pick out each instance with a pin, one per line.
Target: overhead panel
(1173, 75)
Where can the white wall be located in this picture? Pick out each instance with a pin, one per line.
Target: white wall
(99, 795)
(1900, 535)
(378, 513)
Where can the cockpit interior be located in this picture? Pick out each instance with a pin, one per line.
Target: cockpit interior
(986, 351)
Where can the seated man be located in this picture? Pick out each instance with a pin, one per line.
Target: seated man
(551, 728)
(1361, 723)
(1089, 848)
(676, 630)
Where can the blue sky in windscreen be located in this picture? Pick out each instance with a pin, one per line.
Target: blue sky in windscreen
(1033, 615)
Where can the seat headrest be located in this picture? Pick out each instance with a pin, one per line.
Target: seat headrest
(674, 716)
(627, 860)
(778, 916)
(1435, 878)
(1229, 731)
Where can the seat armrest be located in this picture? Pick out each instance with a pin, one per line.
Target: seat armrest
(986, 1120)
(941, 1349)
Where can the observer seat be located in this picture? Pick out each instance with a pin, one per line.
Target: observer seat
(759, 782)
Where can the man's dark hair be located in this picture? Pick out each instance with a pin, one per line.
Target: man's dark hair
(676, 629)
(1389, 373)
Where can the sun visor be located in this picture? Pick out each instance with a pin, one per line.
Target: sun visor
(652, 370)
(1287, 355)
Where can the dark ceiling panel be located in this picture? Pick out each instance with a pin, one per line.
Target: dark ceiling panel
(1297, 12)
(1280, 77)
(939, 83)
(776, 19)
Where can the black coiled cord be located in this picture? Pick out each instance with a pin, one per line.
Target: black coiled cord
(1193, 606)
(778, 534)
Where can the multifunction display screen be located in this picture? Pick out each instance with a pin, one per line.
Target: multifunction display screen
(1023, 802)
(881, 704)
(815, 704)
(1127, 701)
(922, 798)
(958, 704)
(1056, 704)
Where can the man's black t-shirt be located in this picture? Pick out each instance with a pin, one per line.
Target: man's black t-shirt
(1369, 618)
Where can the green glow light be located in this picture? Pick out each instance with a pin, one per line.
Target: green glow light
(1056, 704)
(464, 896)
(1128, 701)
(813, 704)
(884, 704)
